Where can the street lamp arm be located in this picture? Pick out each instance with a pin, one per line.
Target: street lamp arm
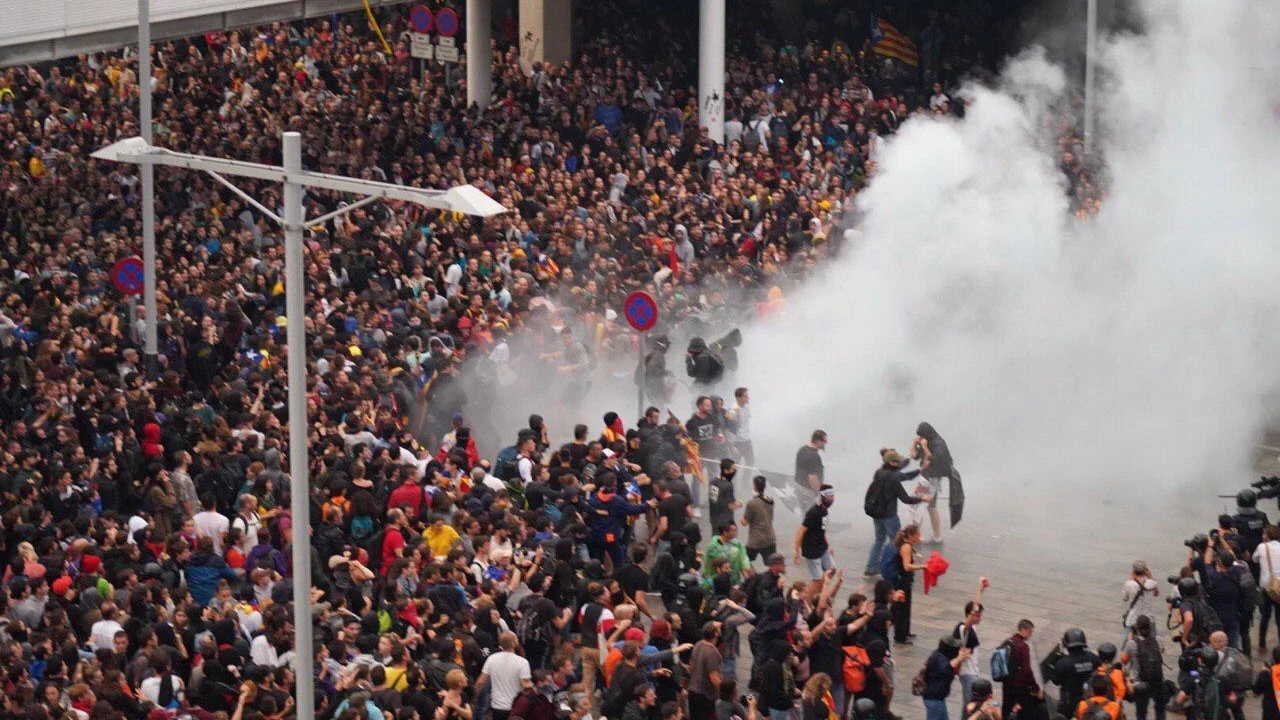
(245, 196)
(346, 209)
(462, 198)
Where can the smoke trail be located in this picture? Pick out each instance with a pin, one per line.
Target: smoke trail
(1134, 351)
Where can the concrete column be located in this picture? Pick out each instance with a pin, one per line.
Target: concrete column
(546, 31)
(711, 68)
(479, 33)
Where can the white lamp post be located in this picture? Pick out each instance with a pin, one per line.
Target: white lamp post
(463, 198)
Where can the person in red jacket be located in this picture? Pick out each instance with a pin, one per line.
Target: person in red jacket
(1021, 693)
(151, 447)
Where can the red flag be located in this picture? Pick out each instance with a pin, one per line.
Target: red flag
(674, 263)
(934, 568)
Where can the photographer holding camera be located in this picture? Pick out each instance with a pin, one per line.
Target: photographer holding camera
(1213, 561)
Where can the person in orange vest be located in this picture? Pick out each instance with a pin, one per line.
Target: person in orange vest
(1099, 688)
(1111, 670)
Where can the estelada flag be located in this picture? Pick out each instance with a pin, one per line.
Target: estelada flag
(887, 41)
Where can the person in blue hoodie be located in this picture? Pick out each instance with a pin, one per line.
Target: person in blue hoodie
(608, 513)
(204, 569)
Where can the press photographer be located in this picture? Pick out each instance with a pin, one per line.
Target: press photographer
(1212, 558)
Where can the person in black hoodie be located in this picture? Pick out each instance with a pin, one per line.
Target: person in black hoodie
(881, 504)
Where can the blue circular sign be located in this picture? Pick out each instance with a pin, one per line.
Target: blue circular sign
(447, 22)
(641, 311)
(421, 19)
(128, 275)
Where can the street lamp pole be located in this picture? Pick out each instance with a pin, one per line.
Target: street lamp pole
(463, 198)
(1090, 62)
(150, 342)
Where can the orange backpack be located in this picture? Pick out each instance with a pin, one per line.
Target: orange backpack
(854, 669)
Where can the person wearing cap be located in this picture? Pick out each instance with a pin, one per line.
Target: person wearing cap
(881, 504)
(811, 544)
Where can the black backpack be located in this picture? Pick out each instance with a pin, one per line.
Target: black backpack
(1207, 621)
(874, 504)
(1150, 660)
(751, 586)
(1249, 594)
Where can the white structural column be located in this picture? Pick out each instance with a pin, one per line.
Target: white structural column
(711, 68)
(1090, 65)
(546, 31)
(479, 34)
(300, 495)
(150, 340)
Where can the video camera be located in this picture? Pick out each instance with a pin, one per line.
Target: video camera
(1198, 542)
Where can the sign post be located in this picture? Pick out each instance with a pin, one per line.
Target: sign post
(447, 26)
(423, 22)
(641, 311)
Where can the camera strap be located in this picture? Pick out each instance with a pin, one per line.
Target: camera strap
(1142, 590)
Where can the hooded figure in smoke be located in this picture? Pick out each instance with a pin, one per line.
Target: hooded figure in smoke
(935, 466)
(703, 365)
(706, 363)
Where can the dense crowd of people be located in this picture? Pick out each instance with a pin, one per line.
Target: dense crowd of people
(145, 525)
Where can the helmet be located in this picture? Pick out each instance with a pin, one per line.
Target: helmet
(864, 709)
(1188, 587)
(981, 688)
(1106, 652)
(1209, 658)
(1073, 638)
(1247, 498)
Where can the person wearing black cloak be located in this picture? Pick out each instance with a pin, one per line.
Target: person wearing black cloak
(702, 364)
(936, 465)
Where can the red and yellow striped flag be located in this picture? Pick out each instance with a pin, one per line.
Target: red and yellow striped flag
(887, 41)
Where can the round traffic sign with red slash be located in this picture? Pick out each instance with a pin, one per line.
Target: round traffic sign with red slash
(641, 311)
(447, 22)
(129, 275)
(421, 19)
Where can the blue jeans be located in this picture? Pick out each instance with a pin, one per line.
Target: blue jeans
(935, 709)
(886, 528)
(966, 687)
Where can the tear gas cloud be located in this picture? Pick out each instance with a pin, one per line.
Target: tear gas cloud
(1134, 352)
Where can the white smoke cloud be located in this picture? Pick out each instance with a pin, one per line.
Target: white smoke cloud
(1136, 350)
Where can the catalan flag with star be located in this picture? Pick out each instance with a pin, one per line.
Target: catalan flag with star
(887, 41)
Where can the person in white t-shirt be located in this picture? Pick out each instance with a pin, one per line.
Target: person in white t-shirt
(938, 99)
(1267, 557)
(103, 633)
(967, 634)
(247, 520)
(210, 523)
(508, 673)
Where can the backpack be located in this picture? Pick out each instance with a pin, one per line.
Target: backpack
(1207, 621)
(874, 504)
(1235, 670)
(1150, 660)
(918, 682)
(1250, 597)
(507, 465)
(854, 668)
(751, 586)
(1002, 662)
(890, 563)
(530, 628)
(1094, 709)
(751, 137)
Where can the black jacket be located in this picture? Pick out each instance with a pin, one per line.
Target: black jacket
(888, 483)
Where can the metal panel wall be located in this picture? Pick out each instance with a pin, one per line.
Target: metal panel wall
(38, 30)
